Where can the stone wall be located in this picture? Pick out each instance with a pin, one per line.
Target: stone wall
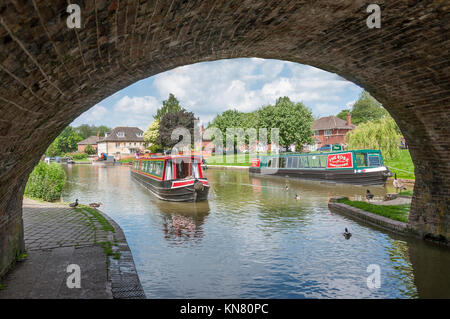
(50, 74)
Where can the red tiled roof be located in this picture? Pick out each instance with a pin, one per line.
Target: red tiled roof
(331, 122)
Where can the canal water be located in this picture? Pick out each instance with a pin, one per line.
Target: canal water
(253, 239)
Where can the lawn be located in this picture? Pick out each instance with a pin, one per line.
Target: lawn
(395, 212)
(232, 160)
(403, 162)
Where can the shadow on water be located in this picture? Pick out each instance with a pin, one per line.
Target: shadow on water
(254, 239)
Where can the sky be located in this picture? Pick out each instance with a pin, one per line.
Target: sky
(210, 88)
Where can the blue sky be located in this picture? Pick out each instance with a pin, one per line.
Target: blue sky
(210, 88)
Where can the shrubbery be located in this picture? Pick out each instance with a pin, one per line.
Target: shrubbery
(79, 156)
(46, 182)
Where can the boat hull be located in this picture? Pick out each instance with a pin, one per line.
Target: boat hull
(174, 190)
(347, 176)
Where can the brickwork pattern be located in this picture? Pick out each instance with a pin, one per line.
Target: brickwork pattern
(51, 74)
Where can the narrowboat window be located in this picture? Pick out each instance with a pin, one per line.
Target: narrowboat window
(374, 160)
(195, 170)
(315, 162)
(282, 161)
(323, 161)
(289, 162)
(361, 159)
(168, 171)
(305, 162)
(183, 168)
(158, 168)
(295, 162)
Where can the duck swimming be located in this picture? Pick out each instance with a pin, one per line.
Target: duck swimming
(347, 234)
(75, 204)
(286, 187)
(95, 205)
(297, 196)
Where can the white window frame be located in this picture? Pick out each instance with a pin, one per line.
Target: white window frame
(327, 132)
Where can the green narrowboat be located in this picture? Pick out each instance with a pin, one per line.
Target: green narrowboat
(359, 167)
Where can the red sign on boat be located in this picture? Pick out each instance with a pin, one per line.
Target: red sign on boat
(255, 162)
(343, 160)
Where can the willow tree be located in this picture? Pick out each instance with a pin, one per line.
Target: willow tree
(382, 134)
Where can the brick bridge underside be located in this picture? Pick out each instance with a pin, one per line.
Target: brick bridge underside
(51, 74)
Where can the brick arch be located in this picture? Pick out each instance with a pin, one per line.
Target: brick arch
(50, 74)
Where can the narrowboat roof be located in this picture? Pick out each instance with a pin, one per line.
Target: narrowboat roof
(320, 153)
(166, 157)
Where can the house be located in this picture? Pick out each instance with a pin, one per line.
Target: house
(122, 142)
(330, 130)
(91, 140)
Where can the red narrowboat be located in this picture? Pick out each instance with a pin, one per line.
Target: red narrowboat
(172, 178)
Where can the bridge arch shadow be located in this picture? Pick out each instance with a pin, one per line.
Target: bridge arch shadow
(51, 74)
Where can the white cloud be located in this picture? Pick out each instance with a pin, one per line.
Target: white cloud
(210, 88)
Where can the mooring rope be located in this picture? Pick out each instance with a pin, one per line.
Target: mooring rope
(398, 169)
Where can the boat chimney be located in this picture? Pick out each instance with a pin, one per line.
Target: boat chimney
(349, 119)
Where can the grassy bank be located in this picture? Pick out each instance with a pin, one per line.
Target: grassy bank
(231, 160)
(403, 162)
(395, 212)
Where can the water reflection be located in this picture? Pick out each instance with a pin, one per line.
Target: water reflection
(253, 239)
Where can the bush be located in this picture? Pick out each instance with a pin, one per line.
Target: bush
(46, 182)
(90, 150)
(79, 156)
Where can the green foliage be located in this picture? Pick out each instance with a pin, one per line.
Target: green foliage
(171, 105)
(406, 193)
(155, 148)
(379, 134)
(343, 114)
(367, 109)
(172, 121)
(89, 150)
(46, 182)
(401, 164)
(78, 156)
(86, 130)
(66, 142)
(151, 135)
(395, 212)
(294, 120)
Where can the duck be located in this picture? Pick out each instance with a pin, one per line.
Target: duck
(397, 184)
(286, 187)
(95, 205)
(347, 234)
(75, 204)
(369, 195)
(297, 196)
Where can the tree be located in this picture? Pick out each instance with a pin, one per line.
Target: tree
(294, 121)
(171, 121)
(343, 114)
(89, 150)
(366, 108)
(382, 134)
(86, 130)
(152, 133)
(171, 105)
(66, 142)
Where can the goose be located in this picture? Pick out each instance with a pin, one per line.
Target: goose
(95, 205)
(347, 234)
(369, 195)
(74, 204)
(397, 184)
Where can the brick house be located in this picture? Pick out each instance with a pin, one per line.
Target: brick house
(122, 142)
(91, 140)
(330, 130)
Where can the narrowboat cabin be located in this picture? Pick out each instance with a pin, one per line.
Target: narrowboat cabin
(172, 178)
(361, 167)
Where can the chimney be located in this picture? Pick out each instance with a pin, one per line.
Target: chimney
(349, 119)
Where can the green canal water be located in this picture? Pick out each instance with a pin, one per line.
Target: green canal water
(253, 239)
